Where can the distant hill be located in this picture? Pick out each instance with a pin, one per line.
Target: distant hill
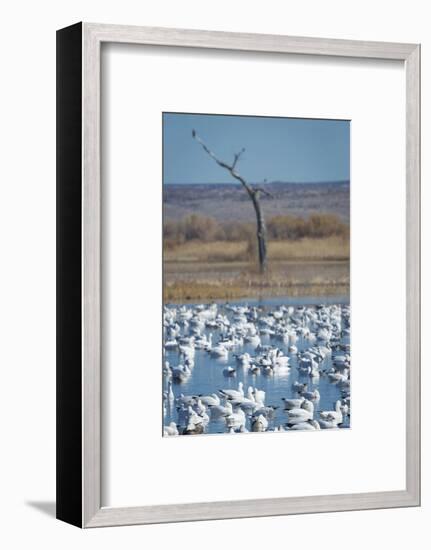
(228, 202)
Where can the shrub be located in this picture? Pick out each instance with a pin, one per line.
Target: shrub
(205, 229)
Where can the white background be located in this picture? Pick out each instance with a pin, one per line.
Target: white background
(138, 84)
(27, 217)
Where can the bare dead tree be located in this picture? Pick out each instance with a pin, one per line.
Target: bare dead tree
(253, 192)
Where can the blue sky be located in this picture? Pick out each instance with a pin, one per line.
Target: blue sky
(276, 149)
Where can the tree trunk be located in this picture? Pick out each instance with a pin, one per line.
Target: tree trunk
(261, 233)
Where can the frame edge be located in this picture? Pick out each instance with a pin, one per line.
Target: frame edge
(413, 282)
(275, 43)
(69, 343)
(112, 517)
(93, 515)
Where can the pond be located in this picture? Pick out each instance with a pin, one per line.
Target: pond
(298, 328)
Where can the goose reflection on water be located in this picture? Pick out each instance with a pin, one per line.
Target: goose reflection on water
(238, 368)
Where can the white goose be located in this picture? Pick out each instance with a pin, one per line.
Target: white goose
(181, 373)
(259, 424)
(298, 387)
(243, 360)
(194, 419)
(259, 396)
(247, 404)
(171, 344)
(253, 369)
(253, 339)
(210, 400)
(282, 362)
(171, 395)
(310, 425)
(236, 419)
(229, 371)
(334, 416)
(167, 373)
(328, 424)
(199, 407)
(171, 429)
(222, 409)
(187, 350)
(185, 399)
(234, 394)
(290, 404)
(302, 414)
(338, 376)
(311, 395)
(219, 351)
(202, 342)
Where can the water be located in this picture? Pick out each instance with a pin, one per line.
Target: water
(207, 374)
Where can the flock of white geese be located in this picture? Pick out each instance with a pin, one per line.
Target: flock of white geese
(324, 332)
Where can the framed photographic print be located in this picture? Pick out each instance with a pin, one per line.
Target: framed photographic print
(238, 275)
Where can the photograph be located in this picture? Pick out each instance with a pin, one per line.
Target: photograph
(256, 265)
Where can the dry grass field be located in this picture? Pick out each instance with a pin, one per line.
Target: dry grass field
(327, 249)
(243, 286)
(196, 271)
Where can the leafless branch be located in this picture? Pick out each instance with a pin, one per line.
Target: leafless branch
(229, 167)
(237, 157)
(264, 191)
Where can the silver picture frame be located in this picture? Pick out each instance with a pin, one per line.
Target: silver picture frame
(79, 274)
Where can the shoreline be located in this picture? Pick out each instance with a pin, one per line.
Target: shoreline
(194, 291)
(342, 299)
